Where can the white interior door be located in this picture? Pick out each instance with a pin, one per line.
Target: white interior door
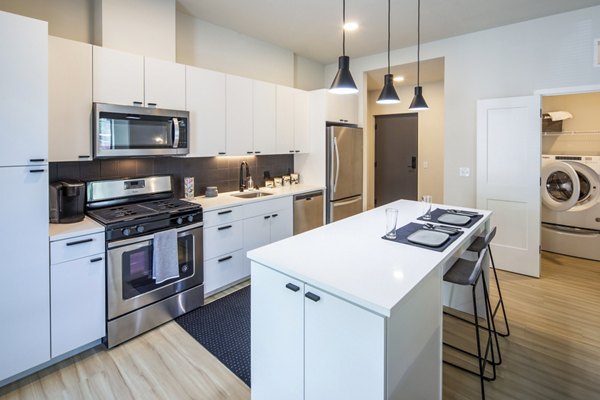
(508, 179)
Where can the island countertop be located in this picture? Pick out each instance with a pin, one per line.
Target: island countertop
(350, 259)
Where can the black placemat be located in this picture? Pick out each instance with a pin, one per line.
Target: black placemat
(405, 231)
(438, 212)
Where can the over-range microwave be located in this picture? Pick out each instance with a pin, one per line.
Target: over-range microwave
(131, 131)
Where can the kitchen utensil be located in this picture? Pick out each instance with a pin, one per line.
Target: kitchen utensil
(462, 212)
(441, 228)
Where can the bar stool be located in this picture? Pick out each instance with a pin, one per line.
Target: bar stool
(480, 244)
(466, 272)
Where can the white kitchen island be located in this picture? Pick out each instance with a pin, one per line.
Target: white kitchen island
(339, 313)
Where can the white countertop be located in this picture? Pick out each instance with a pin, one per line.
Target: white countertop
(65, 231)
(227, 200)
(349, 258)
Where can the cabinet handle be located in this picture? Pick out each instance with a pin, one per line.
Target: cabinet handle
(37, 159)
(312, 296)
(222, 153)
(274, 215)
(267, 216)
(152, 104)
(292, 287)
(257, 152)
(80, 242)
(221, 228)
(291, 151)
(249, 152)
(36, 170)
(83, 156)
(224, 212)
(225, 258)
(96, 259)
(137, 103)
(297, 151)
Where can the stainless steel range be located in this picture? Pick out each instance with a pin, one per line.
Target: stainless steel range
(135, 212)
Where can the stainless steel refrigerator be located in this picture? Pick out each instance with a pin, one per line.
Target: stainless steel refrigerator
(344, 172)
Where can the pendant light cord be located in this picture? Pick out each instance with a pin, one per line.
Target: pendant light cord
(418, 41)
(389, 1)
(344, 27)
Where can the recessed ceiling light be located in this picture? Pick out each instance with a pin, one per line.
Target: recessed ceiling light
(398, 79)
(351, 26)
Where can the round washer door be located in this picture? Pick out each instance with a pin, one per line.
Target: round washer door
(560, 186)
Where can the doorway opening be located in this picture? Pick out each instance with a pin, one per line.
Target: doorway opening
(396, 150)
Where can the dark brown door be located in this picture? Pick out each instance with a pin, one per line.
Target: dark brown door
(396, 145)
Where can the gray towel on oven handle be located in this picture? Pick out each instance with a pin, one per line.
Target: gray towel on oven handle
(165, 259)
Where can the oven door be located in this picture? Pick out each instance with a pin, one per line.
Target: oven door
(129, 281)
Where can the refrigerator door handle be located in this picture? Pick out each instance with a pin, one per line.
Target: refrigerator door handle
(345, 203)
(337, 163)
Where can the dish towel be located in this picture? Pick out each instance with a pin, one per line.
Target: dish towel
(165, 260)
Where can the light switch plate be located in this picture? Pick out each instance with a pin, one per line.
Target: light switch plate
(425, 164)
(464, 171)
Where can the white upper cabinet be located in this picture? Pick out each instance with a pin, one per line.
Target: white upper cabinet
(118, 77)
(164, 84)
(341, 108)
(205, 101)
(301, 136)
(239, 115)
(292, 120)
(264, 117)
(24, 90)
(130, 79)
(285, 119)
(69, 100)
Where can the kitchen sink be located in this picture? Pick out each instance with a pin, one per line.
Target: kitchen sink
(251, 195)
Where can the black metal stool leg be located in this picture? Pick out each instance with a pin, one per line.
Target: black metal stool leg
(501, 300)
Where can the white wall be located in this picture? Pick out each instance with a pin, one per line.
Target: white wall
(213, 47)
(431, 138)
(513, 60)
(145, 27)
(308, 74)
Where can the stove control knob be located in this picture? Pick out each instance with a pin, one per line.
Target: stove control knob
(179, 221)
(190, 218)
(126, 231)
(140, 228)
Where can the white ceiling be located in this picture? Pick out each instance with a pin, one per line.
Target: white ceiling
(312, 28)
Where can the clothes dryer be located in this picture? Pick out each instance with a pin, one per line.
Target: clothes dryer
(570, 191)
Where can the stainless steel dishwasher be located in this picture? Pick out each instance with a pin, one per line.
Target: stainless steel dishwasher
(308, 211)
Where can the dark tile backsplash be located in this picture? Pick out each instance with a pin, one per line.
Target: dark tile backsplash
(222, 172)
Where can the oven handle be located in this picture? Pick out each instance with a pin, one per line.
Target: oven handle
(125, 242)
(175, 133)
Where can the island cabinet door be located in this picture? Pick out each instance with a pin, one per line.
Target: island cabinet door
(344, 349)
(276, 335)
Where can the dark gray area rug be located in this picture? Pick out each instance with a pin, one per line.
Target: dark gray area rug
(223, 328)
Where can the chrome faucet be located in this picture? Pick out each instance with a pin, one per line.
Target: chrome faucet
(242, 179)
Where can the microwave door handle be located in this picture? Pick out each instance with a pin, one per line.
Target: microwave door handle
(175, 133)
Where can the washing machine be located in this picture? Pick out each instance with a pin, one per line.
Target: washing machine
(570, 191)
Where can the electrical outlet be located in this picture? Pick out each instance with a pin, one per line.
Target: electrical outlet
(425, 164)
(464, 171)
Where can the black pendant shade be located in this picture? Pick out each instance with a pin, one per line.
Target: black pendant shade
(343, 82)
(388, 93)
(418, 103)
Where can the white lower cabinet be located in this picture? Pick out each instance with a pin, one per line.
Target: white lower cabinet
(77, 292)
(220, 272)
(308, 344)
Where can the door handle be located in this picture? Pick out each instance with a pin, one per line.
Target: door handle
(292, 287)
(175, 133)
(312, 296)
(337, 163)
(413, 162)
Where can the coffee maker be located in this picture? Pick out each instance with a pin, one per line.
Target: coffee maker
(67, 201)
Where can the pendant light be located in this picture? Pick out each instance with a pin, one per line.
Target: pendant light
(388, 93)
(343, 82)
(418, 103)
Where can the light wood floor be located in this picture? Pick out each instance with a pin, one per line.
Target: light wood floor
(553, 352)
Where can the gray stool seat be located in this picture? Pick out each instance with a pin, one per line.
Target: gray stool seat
(463, 272)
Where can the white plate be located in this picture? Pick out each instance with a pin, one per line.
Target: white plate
(428, 238)
(454, 219)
